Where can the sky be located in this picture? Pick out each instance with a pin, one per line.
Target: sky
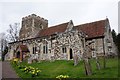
(119, 17)
(59, 11)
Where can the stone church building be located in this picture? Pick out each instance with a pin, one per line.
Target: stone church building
(62, 41)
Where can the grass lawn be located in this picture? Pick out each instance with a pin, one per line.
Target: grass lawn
(64, 67)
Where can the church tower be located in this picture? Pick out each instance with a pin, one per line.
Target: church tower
(31, 25)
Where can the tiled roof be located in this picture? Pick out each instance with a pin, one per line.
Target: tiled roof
(24, 48)
(93, 29)
(52, 30)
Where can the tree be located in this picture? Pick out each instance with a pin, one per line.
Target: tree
(12, 35)
(3, 45)
(116, 39)
(4, 52)
(118, 43)
(114, 36)
(13, 32)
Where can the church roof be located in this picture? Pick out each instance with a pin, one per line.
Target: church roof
(53, 30)
(93, 29)
(24, 48)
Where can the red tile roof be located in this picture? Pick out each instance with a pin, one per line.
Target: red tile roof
(24, 48)
(93, 29)
(52, 30)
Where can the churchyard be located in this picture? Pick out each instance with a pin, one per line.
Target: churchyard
(66, 69)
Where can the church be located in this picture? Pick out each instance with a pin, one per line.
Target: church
(62, 41)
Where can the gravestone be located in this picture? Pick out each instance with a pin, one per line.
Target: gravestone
(75, 58)
(88, 69)
(97, 63)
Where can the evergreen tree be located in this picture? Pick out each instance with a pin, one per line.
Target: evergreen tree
(118, 43)
(4, 52)
(114, 36)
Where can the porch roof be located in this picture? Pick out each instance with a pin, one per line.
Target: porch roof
(24, 48)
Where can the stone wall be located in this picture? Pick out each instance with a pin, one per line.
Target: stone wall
(71, 40)
(108, 41)
(104, 45)
(95, 47)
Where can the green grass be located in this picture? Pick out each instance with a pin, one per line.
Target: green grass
(64, 67)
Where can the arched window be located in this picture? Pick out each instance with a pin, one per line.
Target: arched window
(64, 50)
(45, 48)
(34, 50)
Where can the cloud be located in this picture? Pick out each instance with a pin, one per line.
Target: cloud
(80, 11)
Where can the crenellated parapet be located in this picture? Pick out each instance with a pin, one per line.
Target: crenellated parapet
(35, 17)
(31, 25)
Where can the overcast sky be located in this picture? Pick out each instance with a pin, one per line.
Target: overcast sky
(59, 11)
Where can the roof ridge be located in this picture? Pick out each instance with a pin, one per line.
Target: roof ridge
(53, 26)
(58, 25)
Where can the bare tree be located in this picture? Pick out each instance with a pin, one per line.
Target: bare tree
(13, 32)
(3, 45)
(12, 35)
(2, 37)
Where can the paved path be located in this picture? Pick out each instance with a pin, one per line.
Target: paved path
(7, 70)
(0, 70)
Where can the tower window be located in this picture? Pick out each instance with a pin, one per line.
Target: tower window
(41, 27)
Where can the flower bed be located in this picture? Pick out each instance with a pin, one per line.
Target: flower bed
(62, 77)
(15, 61)
(30, 70)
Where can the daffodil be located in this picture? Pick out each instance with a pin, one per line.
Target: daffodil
(62, 76)
(37, 71)
(33, 72)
